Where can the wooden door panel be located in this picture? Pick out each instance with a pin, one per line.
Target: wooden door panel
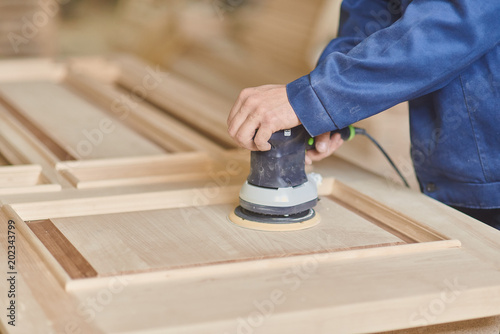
(156, 221)
(176, 238)
(80, 129)
(196, 233)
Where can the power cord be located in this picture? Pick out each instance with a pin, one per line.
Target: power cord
(360, 131)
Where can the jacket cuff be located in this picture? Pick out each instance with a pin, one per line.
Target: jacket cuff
(308, 107)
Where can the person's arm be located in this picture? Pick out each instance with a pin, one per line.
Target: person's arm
(427, 47)
(267, 107)
(358, 20)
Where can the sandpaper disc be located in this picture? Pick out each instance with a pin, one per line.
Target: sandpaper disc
(246, 219)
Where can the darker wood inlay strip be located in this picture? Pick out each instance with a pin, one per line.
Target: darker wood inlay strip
(54, 147)
(63, 251)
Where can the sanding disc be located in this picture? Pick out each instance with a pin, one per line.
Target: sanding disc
(269, 223)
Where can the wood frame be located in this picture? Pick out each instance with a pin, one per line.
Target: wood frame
(419, 272)
(372, 289)
(418, 235)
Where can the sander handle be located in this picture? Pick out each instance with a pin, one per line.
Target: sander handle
(346, 134)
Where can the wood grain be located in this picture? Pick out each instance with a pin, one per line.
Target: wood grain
(63, 250)
(143, 170)
(43, 306)
(72, 124)
(42, 136)
(380, 215)
(186, 101)
(150, 122)
(179, 238)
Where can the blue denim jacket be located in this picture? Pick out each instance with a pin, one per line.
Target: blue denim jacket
(441, 55)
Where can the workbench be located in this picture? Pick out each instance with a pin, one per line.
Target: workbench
(115, 190)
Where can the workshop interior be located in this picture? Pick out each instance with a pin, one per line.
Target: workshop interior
(127, 207)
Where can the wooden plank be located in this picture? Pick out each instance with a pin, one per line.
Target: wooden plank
(30, 69)
(53, 145)
(17, 176)
(179, 198)
(243, 267)
(77, 127)
(150, 122)
(130, 171)
(21, 147)
(24, 179)
(359, 296)
(203, 111)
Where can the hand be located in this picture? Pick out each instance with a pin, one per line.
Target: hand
(325, 146)
(263, 108)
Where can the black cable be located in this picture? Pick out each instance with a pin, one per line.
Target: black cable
(363, 132)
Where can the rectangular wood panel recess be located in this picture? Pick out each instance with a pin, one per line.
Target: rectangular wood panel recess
(71, 126)
(141, 242)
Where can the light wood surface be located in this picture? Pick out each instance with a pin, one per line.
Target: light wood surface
(141, 243)
(187, 101)
(188, 237)
(143, 170)
(76, 127)
(155, 124)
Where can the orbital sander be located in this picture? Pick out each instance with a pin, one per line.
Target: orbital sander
(278, 195)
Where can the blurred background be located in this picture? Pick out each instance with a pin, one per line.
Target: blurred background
(222, 45)
(158, 29)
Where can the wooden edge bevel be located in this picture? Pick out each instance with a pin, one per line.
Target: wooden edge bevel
(50, 143)
(247, 266)
(59, 273)
(382, 216)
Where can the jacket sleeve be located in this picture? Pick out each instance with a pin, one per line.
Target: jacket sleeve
(425, 49)
(358, 20)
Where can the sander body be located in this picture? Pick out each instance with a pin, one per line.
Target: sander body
(278, 195)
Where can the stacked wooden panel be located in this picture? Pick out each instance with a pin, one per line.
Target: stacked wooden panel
(119, 199)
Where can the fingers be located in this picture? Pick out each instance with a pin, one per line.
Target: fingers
(325, 146)
(237, 104)
(264, 108)
(262, 137)
(308, 160)
(244, 136)
(322, 142)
